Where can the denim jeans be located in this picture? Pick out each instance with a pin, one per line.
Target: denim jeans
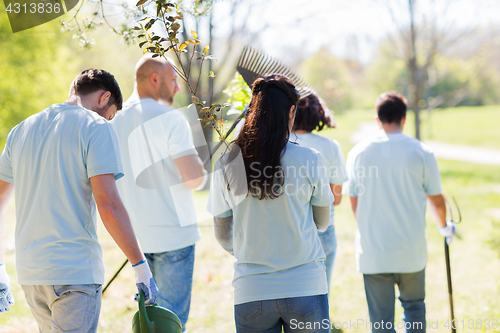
(307, 314)
(380, 296)
(60, 308)
(329, 243)
(173, 274)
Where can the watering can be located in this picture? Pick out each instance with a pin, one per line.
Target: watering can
(155, 319)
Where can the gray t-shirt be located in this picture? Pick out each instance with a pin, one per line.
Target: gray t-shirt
(332, 154)
(391, 174)
(50, 157)
(276, 243)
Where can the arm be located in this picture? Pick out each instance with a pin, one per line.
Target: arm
(191, 169)
(223, 229)
(6, 298)
(6, 190)
(115, 217)
(438, 209)
(321, 217)
(354, 205)
(337, 193)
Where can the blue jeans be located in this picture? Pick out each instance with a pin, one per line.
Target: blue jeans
(65, 308)
(329, 243)
(307, 314)
(380, 296)
(173, 274)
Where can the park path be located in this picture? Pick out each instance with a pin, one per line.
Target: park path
(441, 150)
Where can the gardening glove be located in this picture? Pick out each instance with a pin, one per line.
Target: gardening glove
(145, 282)
(6, 298)
(448, 232)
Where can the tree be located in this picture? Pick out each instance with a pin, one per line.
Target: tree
(424, 31)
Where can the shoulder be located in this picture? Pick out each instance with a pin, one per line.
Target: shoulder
(419, 146)
(298, 152)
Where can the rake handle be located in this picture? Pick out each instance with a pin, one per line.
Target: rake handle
(114, 276)
(450, 289)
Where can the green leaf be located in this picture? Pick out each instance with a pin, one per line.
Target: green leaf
(212, 75)
(141, 2)
(149, 24)
(171, 19)
(155, 55)
(177, 7)
(136, 28)
(176, 26)
(205, 49)
(195, 35)
(155, 38)
(141, 44)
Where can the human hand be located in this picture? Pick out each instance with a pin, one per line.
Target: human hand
(145, 282)
(6, 298)
(448, 232)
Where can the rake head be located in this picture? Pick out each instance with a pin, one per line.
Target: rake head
(254, 64)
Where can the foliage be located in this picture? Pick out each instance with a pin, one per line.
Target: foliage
(36, 67)
(330, 77)
(239, 93)
(450, 80)
(171, 16)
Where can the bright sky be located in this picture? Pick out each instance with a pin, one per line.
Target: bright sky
(342, 24)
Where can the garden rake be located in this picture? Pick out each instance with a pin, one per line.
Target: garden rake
(448, 266)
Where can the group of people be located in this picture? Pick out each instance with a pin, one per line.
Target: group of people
(74, 156)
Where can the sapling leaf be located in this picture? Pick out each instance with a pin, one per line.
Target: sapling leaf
(141, 2)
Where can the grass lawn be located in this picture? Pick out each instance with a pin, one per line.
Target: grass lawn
(475, 255)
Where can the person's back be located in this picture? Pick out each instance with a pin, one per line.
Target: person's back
(53, 151)
(279, 196)
(276, 240)
(393, 174)
(164, 219)
(162, 168)
(63, 162)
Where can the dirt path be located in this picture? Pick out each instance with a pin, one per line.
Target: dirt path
(441, 150)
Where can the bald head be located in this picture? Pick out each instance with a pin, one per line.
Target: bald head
(156, 78)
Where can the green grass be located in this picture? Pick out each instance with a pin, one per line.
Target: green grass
(475, 256)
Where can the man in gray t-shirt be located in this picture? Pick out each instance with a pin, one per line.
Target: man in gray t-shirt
(391, 176)
(63, 161)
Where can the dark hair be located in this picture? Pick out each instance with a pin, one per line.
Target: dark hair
(391, 107)
(310, 115)
(92, 80)
(264, 135)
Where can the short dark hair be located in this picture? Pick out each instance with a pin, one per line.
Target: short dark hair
(311, 115)
(92, 80)
(391, 107)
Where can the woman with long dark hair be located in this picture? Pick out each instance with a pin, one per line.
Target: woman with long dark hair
(268, 217)
(312, 115)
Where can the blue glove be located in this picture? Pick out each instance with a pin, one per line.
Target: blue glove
(6, 298)
(145, 282)
(449, 232)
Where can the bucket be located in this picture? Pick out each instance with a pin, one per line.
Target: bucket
(155, 319)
